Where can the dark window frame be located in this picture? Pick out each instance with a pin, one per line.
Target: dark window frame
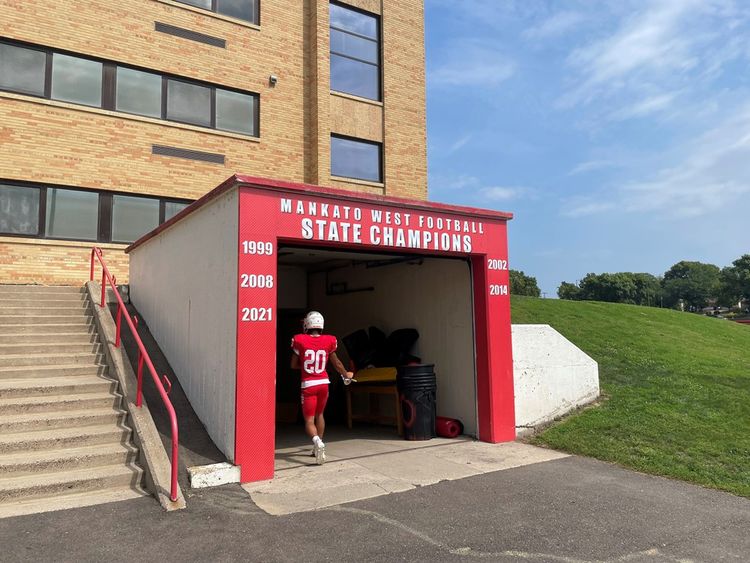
(378, 42)
(381, 158)
(104, 215)
(109, 88)
(214, 10)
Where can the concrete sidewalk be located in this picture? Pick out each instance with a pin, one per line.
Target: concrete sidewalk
(570, 510)
(369, 461)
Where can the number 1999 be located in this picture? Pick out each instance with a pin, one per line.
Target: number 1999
(257, 247)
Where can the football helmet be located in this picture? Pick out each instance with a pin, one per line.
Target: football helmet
(313, 320)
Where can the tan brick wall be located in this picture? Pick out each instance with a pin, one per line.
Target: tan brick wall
(48, 141)
(356, 118)
(405, 144)
(52, 262)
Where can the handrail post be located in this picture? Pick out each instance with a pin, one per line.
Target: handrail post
(139, 391)
(119, 322)
(104, 286)
(91, 270)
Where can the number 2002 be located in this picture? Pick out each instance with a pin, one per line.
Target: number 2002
(257, 247)
(496, 264)
(257, 314)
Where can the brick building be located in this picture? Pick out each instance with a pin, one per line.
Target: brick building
(115, 115)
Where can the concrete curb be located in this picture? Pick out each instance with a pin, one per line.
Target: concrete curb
(152, 457)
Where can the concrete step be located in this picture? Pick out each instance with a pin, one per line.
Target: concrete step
(69, 336)
(43, 300)
(74, 480)
(31, 372)
(58, 346)
(68, 402)
(45, 319)
(47, 328)
(28, 422)
(43, 310)
(41, 289)
(66, 459)
(67, 501)
(40, 360)
(57, 438)
(55, 386)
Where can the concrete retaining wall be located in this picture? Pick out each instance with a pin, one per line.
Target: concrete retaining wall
(184, 283)
(552, 376)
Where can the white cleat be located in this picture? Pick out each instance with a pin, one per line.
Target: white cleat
(320, 453)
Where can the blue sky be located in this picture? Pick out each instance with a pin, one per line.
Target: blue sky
(618, 133)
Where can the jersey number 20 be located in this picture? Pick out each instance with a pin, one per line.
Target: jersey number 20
(315, 361)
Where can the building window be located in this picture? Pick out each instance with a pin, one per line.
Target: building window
(355, 158)
(355, 52)
(172, 208)
(19, 210)
(87, 215)
(246, 10)
(72, 214)
(76, 80)
(133, 217)
(107, 85)
(22, 70)
(188, 103)
(235, 112)
(138, 92)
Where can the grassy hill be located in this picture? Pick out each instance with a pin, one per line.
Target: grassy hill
(676, 390)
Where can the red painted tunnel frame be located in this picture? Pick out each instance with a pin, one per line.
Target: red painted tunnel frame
(273, 213)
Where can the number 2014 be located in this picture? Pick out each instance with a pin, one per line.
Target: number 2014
(498, 289)
(256, 314)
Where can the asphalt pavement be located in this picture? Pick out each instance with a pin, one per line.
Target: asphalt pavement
(566, 510)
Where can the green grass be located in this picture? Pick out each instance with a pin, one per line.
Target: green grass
(676, 389)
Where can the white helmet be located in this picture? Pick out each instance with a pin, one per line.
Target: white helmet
(313, 320)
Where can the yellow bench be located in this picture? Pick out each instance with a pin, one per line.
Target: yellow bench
(374, 381)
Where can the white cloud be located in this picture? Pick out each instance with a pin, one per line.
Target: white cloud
(554, 26)
(645, 107)
(591, 165)
(476, 190)
(584, 208)
(660, 48)
(503, 193)
(708, 175)
(471, 63)
(459, 143)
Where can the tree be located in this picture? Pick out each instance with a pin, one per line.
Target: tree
(735, 281)
(693, 282)
(521, 284)
(570, 291)
(620, 287)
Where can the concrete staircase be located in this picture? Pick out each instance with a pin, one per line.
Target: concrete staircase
(63, 438)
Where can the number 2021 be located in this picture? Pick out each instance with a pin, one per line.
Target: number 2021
(257, 314)
(256, 280)
(257, 247)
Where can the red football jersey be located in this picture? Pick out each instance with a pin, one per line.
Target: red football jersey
(313, 352)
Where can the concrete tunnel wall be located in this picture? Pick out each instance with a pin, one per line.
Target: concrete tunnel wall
(184, 283)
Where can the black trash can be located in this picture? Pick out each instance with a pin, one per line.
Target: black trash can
(417, 387)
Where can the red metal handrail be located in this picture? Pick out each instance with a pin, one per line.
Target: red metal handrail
(143, 357)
